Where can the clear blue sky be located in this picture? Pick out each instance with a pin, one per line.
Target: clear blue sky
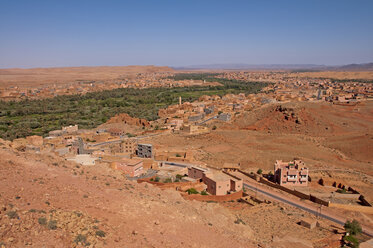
(45, 33)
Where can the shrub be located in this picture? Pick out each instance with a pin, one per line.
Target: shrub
(178, 176)
(42, 221)
(12, 214)
(352, 240)
(178, 155)
(203, 192)
(168, 180)
(157, 179)
(259, 171)
(214, 128)
(52, 225)
(80, 239)
(192, 191)
(353, 227)
(342, 191)
(100, 233)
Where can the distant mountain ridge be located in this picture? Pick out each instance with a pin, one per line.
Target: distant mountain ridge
(353, 67)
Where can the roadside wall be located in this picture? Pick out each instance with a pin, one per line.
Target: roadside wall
(175, 185)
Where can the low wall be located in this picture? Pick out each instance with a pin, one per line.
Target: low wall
(363, 209)
(175, 185)
(216, 198)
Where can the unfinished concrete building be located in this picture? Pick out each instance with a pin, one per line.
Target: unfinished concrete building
(293, 173)
(144, 150)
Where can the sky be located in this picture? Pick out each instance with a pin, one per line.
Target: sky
(51, 33)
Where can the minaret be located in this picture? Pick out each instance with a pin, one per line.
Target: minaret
(179, 100)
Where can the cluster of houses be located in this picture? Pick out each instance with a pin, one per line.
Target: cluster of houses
(134, 159)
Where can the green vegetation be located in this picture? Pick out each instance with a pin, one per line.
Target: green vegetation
(52, 225)
(203, 192)
(342, 191)
(156, 179)
(82, 239)
(178, 176)
(100, 233)
(351, 241)
(168, 180)
(42, 221)
(38, 117)
(259, 171)
(353, 227)
(192, 191)
(12, 214)
(178, 155)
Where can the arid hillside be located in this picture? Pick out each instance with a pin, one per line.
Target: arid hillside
(46, 200)
(44, 76)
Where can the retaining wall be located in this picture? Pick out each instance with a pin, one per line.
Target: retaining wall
(215, 198)
(175, 185)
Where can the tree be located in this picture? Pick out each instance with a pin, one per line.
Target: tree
(214, 128)
(259, 171)
(353, 227)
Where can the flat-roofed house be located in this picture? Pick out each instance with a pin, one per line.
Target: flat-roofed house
(217, 183)
(130, 167)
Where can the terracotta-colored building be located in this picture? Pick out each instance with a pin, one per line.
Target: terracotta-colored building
(196, 172)
(293, 173)
(131, 167)
(217, 183)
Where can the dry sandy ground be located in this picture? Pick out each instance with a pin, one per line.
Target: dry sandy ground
(43, 76)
